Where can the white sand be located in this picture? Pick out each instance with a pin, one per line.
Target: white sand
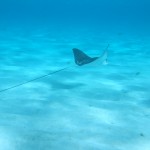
(100, 107)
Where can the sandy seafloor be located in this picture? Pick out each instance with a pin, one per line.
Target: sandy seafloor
(94, 107)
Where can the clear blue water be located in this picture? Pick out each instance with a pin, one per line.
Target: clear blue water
(90, 107)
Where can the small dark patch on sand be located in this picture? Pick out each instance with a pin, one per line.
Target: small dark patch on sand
(120, 33)
(137, 73)
(141, 134)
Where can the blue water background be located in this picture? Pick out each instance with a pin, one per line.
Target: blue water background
(98, 12)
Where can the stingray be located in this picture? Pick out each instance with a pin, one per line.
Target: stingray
(80, 59)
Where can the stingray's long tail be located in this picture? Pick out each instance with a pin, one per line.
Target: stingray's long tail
(40, 77)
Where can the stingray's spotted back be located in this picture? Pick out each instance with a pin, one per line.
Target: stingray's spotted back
(81, 58)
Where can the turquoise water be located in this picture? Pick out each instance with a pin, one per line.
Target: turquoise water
(92, 107)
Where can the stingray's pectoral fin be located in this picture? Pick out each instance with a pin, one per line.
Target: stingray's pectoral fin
(105, 62)
(81, 58)
(104, 57)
